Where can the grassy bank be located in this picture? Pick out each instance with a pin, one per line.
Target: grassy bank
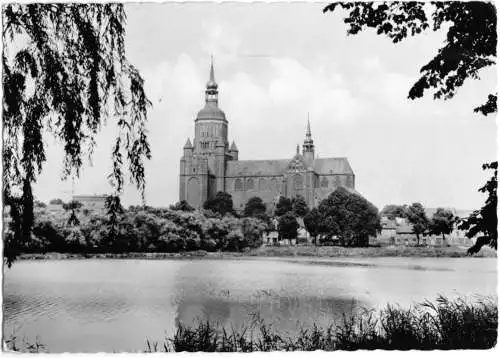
(446, 324)
(278, 251)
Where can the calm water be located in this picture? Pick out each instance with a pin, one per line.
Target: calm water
(114, 305)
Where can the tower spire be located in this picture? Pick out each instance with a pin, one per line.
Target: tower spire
(211, 92)
(212, 76)
(308, 129)
(308, 146)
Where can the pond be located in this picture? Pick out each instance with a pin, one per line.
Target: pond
(114, 305)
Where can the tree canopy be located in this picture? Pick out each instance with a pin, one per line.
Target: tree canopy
(442, 222)
(417, 217)
(255, 207)
(470, 44)
(287, 226)
(283, 206)
(392, 211)
(65, 73)
(182, 205)
(483, 223)
(348, 216)
(299, 206)
(222, 203)
(312, 222)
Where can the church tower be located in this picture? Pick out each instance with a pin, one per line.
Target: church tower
(308, 146)
(203, 163)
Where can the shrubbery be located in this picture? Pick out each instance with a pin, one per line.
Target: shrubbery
(144, 229)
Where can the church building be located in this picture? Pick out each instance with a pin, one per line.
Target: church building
(210, 165)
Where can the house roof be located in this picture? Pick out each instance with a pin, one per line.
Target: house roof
(256, 167)
(332, 166)
(278, 166)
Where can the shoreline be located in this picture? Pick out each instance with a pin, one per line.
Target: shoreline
(276, 252)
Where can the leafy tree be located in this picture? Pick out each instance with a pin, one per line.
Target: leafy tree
(470, 43)
(312, 222)
(470, 46)
(182, 206)
(484, 222)
(417, 217)
(299, 206)
(287, 226)
(442, 222)
(283, 206)
(255, 207)
(56, 202)
(73, 207)
(392, 211)
(222, 203)
(65, 72)
(349, 216)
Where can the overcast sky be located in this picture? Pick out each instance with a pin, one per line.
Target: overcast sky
(276, 62)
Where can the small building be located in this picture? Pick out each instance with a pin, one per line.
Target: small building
(91, 202)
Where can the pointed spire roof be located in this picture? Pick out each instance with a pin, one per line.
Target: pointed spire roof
(308, 130)
(188, 144)
(233, 147)
(211, 82)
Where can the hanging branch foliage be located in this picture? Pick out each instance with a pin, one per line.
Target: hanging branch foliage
(65, 72)
(470, 43)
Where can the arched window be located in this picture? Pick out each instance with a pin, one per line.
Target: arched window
(238, 186)
(274, 184)
(262, 184)
(297, 182)
(250, 185)
(324, 182)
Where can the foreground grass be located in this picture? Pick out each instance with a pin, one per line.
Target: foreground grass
(445, 324)
(279, 251)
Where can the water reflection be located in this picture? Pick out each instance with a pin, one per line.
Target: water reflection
(114, 305)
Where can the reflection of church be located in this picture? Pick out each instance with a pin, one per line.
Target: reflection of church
(210, 165)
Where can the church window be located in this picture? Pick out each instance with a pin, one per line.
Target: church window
(337, 181)
(297, 182)
(238, 185)
(262, 184)
(274, 184)
(194, 170)
(324, 182)
(250, 185)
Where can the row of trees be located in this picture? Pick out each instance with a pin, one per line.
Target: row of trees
(442, 222)
(344, 215)
(142, 229)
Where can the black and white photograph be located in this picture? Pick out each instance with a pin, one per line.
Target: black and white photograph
(249, 176)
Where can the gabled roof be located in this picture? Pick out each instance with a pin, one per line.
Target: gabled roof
(332, 166)
(256, 167)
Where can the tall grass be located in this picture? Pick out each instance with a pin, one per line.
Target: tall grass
(445, 324)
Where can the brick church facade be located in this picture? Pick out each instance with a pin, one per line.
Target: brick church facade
(209, 165)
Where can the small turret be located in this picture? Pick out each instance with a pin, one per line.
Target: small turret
(188, 148)
(233, 151)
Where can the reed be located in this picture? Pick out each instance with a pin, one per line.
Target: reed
(444, 324)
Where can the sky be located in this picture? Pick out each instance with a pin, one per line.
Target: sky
(275, 63)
